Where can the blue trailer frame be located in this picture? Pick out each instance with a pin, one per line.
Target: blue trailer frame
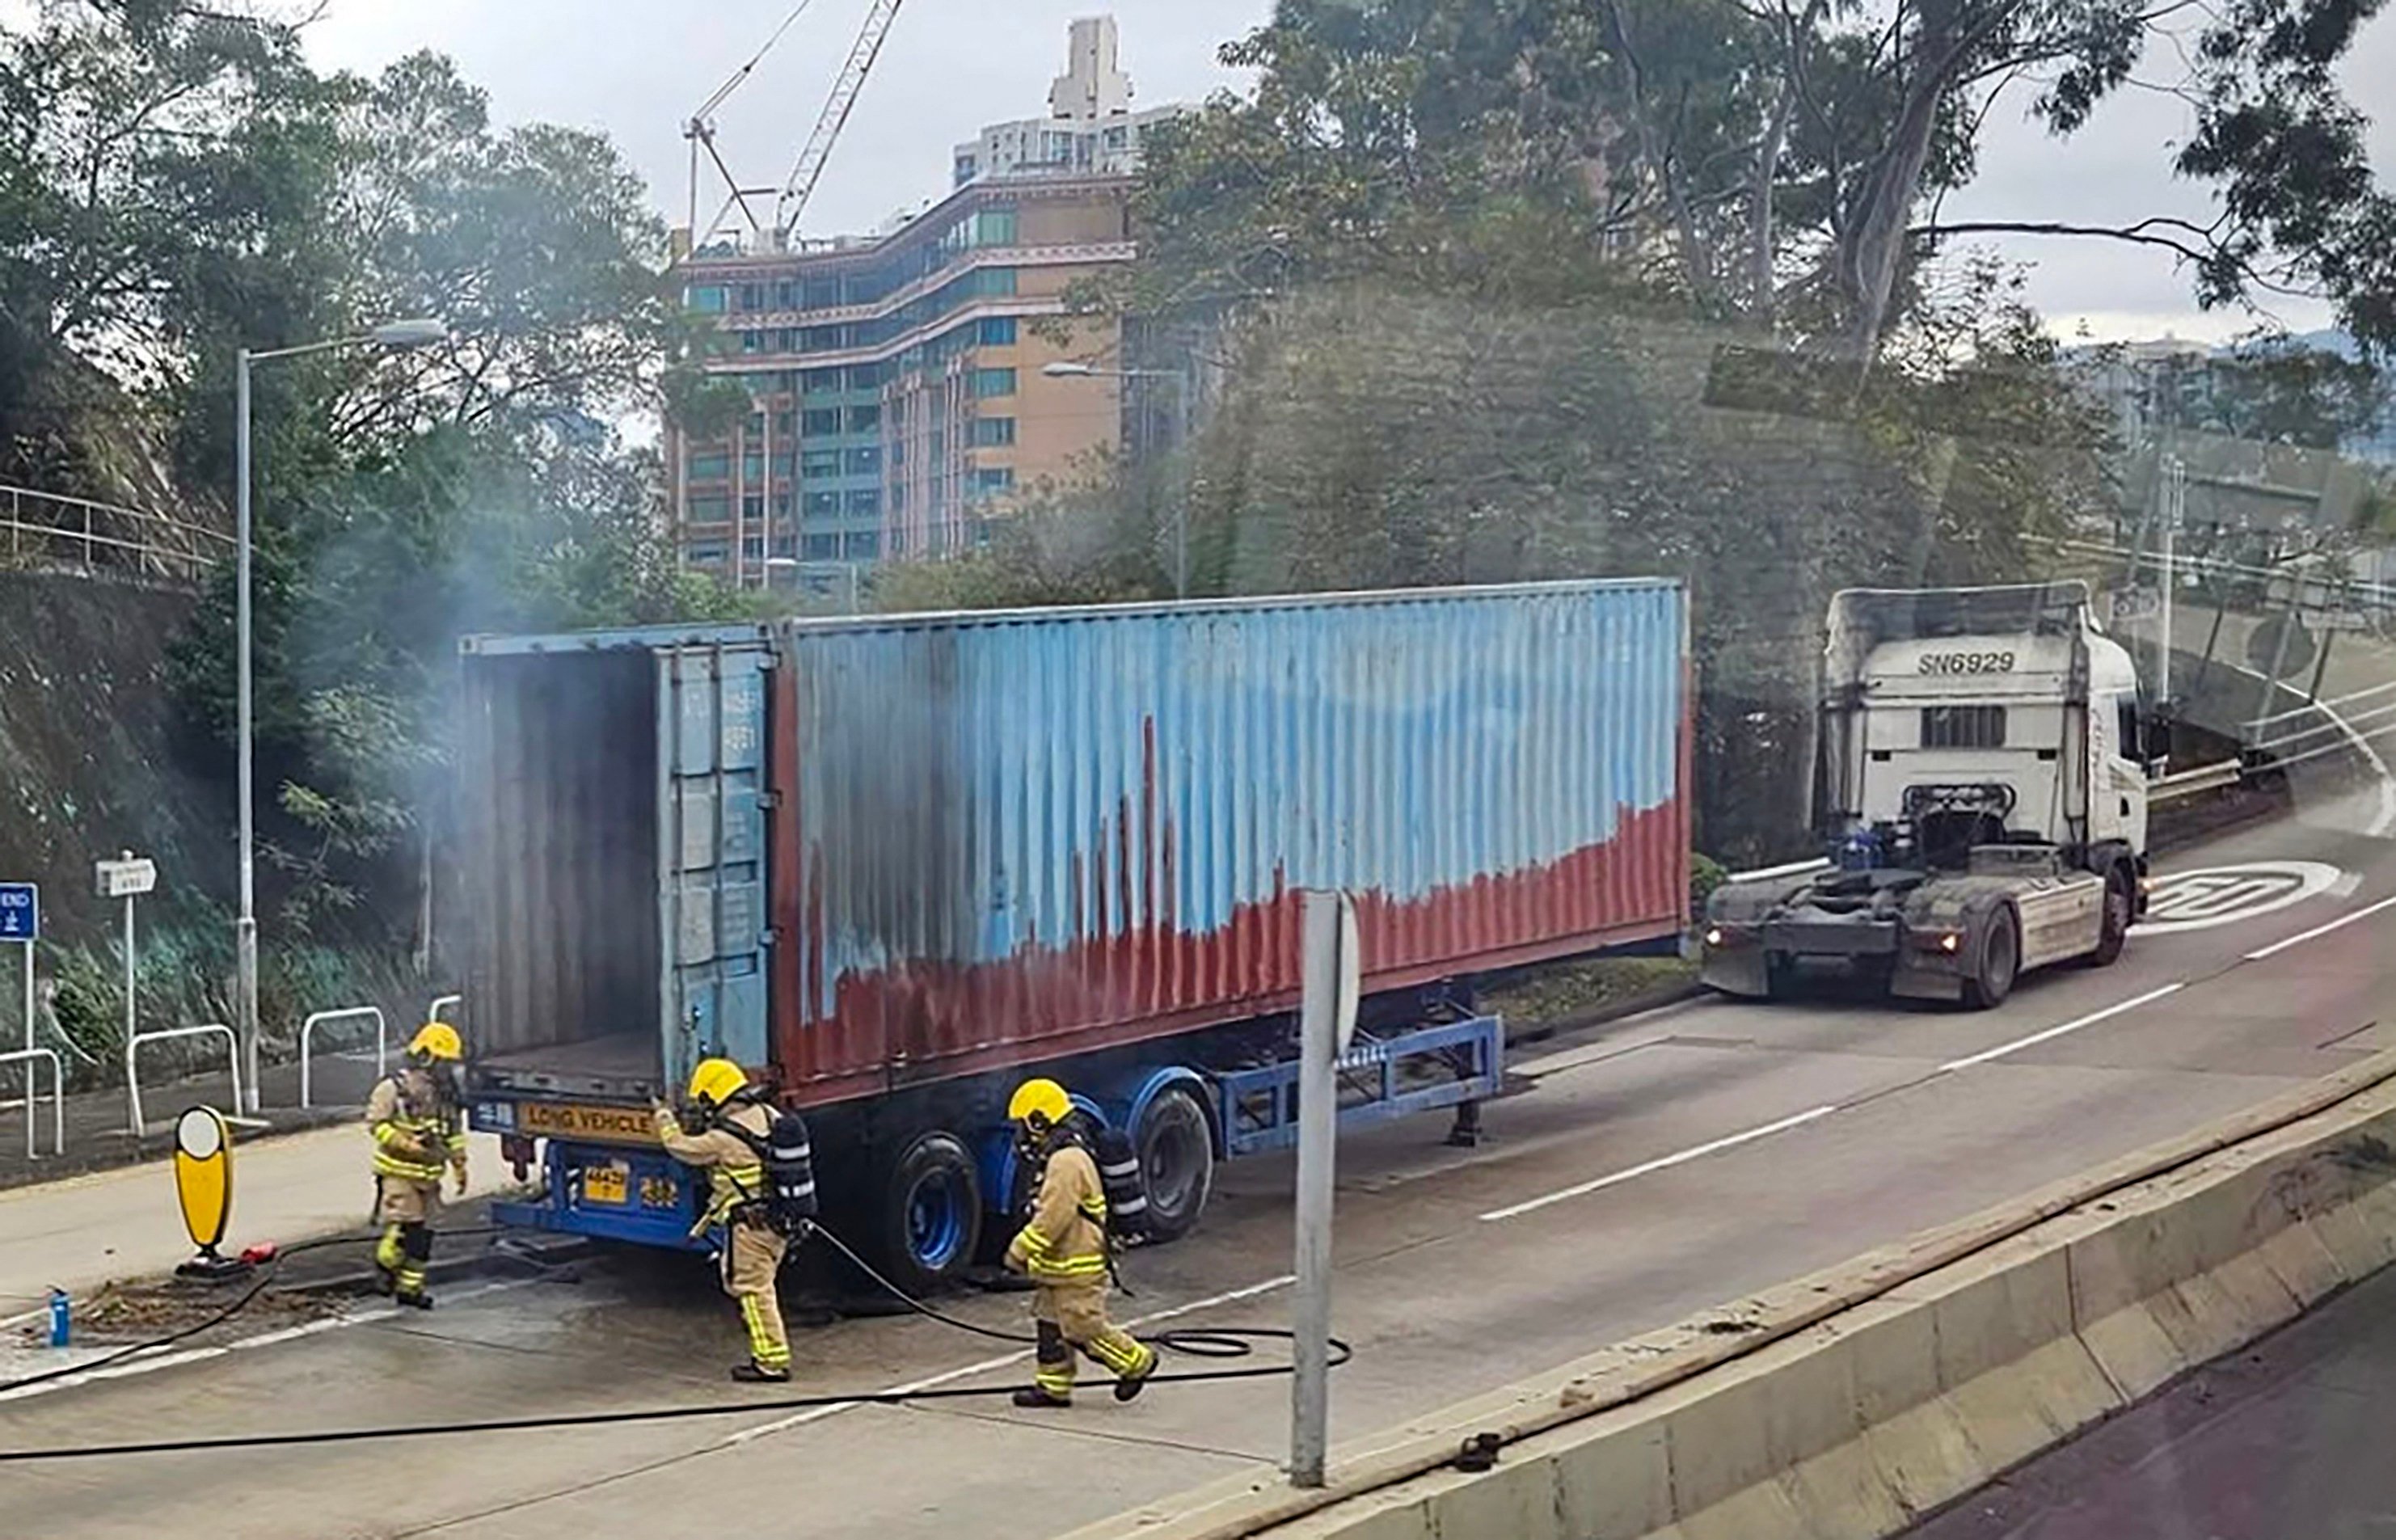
(642, 1196)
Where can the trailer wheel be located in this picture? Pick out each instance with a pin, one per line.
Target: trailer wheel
(2000, 963)
(1177, 1162)
(1779, 975)
(2121, 902)
(930, 1219)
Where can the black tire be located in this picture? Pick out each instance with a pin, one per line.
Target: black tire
(2000, 963)
(928, 1228)
(1177, 1162)
(1780, 975)
(2121, 901)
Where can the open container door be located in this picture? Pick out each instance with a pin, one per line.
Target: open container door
(612, 859)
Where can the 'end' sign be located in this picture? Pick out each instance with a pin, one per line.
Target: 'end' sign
(20, 911)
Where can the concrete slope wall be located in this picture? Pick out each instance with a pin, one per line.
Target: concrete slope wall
(1852, 1403)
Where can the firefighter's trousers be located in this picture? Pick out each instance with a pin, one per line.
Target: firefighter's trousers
(753, 1259)
(405, 1211)
(1074, 1315)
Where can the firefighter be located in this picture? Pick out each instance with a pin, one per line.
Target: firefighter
(417, 1119)
(1063, 1248)
(721, 1099)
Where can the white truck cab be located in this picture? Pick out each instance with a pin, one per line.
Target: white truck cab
(1980, 787)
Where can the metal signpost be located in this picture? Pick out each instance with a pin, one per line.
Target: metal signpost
(1326, 1024)
(128, 877)
(21, 920)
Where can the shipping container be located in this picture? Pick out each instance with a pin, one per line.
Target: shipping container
(891, 862)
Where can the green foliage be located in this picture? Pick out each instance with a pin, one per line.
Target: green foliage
(1705, 875)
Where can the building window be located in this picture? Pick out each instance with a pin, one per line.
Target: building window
(786, 424)
(783, 505)
(823, 505)
(966, 165)
(1001, 479)
(1056, 148)
(862, 545)
(869, 377)
(997, 331)
(756, 424)
(710, 465)
(993, 432)
(994, 227)
(864, 419)
(1118, 138)
(1963, 727)
(823, 547)
(706, 553)
(786, 295)
(707, 299)
(753, 467)
(822, 293)
(823, 423)
(752, 342)
(864, 462)
(993, 383)
(753, 506)
(820, 463)
(709, 510)
(754, 548)
(786, 546)
(825, 383)
(752, 297)
(898, 498)
(865, 502)
(786, 464)
(823, 338)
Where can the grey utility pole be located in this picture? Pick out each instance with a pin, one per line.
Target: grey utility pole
(396, 336)
(1326, 1020)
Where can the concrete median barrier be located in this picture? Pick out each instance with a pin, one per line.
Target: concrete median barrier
(1851, 1403)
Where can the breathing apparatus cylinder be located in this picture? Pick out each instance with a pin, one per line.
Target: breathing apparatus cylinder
(1119, 1177)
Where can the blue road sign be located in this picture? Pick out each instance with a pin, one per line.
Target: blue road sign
(20, 911)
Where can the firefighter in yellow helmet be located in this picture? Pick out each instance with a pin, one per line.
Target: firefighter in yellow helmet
(1063, 1248)
(722, 1099)
(416, 1116)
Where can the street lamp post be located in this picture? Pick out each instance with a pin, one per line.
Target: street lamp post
(1182, 389)
(395, 335)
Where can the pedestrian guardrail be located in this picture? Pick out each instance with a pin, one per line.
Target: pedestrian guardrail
(322, 1018)
(442, 1003)
(29, 1057)
(50, 531)
(132, 1072)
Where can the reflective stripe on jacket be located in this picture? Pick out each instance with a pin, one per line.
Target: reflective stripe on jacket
(1066, 1241)
(735, 1177)
(416, 1133)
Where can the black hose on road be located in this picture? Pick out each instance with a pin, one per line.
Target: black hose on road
(1214, 1342)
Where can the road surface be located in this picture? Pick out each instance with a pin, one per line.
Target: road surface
(1677, 1162)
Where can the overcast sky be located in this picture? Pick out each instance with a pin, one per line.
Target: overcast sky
(637, 68)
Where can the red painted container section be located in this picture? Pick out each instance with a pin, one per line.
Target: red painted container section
(1010, 838)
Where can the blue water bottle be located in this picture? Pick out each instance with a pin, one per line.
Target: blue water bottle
(61, 1318)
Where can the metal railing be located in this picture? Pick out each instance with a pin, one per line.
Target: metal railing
(133, 1077)
(441, 1003)
(352, 1013)
(49, 532)
(29, 1057)
(2196, 782)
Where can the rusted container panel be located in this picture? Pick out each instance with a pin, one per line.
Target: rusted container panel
(1004, 838)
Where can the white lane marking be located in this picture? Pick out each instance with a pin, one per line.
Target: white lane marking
(263, 1339)
(1659, 1164)
(2091, 1019)
(2227, 894)
(816, 1413)
(2344, 920)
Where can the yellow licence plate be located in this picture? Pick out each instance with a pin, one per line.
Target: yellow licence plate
(566, 1120)
(607, 1184)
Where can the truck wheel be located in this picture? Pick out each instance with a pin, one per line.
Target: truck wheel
(2120, 899)
(1780, 975)
(2000, 964)
(1177, 1162)
(930, 1219)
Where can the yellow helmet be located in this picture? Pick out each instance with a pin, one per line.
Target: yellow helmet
(1042, 1098)
(437, 1040)
(717, 1082)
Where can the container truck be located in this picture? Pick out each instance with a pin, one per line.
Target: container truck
(1981, 785)
(893, 865)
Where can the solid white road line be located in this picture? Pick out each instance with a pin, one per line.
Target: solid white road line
(2091, 1019)
(1660, 1163)
(2347, 919)
(992, 1365)
(263, 1339)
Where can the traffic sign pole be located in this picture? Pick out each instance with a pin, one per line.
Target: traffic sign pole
(1326, 1020)
(21, 920)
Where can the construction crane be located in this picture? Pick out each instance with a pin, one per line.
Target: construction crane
(700, 129)
(834, 117)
